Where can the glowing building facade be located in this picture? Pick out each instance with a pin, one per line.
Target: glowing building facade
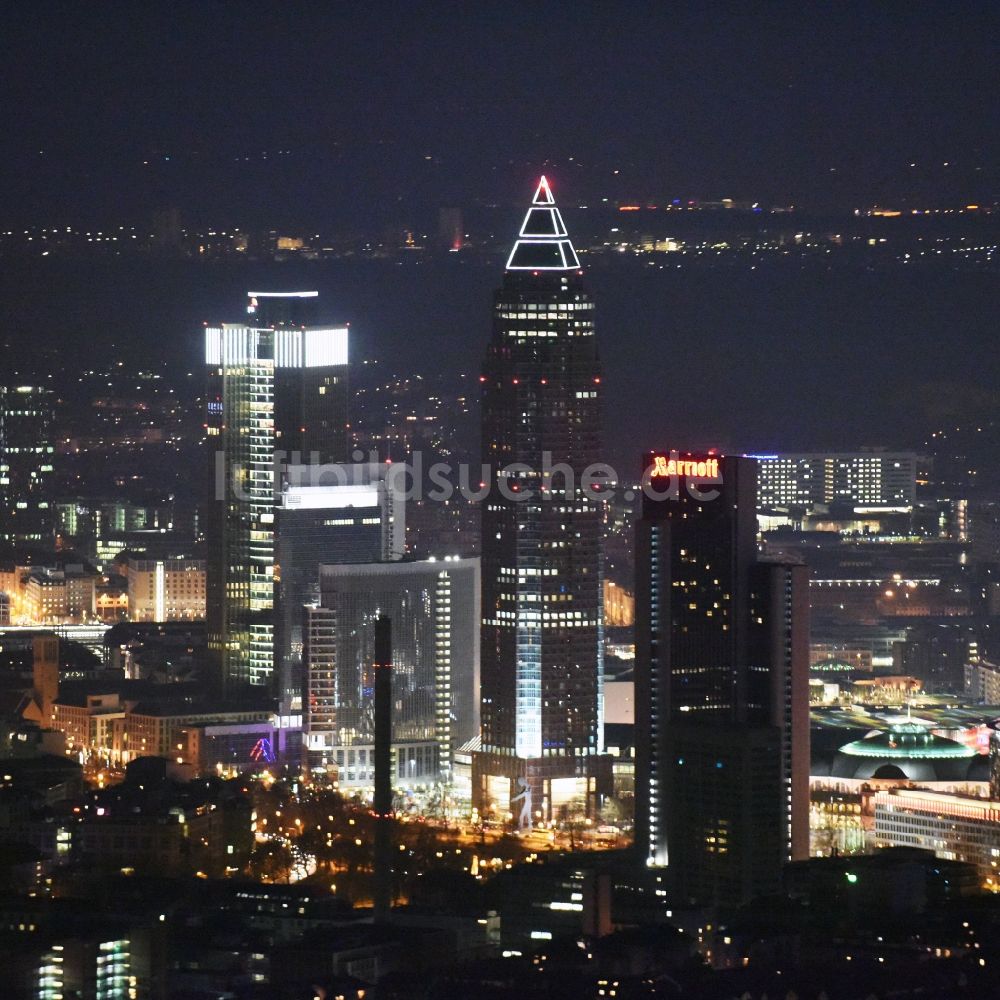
(434, 609)
(960, 829)
(541, 530)
(862, 479)
(166, 590)
(277, 394)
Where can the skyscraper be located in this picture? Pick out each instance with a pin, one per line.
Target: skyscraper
(277, 394)
(722, 659)
(541, 533)
(433, 605)
(328, 514)
(26, 450)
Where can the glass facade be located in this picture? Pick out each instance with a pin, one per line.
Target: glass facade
(433, 608)
(542, 595)
(275, 394)
(359, 519)
(541, 520)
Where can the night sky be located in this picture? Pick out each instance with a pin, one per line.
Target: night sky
(360, 117)
(378, 111)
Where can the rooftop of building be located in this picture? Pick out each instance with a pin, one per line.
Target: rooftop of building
(543, 243)
(938, 711)
(906, 751)
(983, 810)
(883, 859)
(41, 770)
(149, 698)
(832, 665)
(27, 556)
(907, 740)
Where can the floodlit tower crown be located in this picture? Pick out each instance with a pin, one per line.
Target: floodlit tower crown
(543, 243)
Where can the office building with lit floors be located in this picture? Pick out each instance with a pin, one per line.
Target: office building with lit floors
(433, 607)
(27, 512)
(276, 395)
(722, 659)
(328, 514)
(541, 535)
(869, 480)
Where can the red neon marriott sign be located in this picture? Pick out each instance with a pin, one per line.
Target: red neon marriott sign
(665, 465)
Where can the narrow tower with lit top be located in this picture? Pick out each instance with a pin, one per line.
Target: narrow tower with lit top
(541, 529)
(276, 396)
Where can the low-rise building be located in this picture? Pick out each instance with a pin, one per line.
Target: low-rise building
(163, 590)
(93, 725)
(414, 762)
(111, 603)
(982, 682)
(117, 727)
(959, 829)
(56, 596)
(173, 842)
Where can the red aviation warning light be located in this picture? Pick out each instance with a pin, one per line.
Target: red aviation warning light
(543, 196)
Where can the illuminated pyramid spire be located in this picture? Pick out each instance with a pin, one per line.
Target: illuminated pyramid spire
(543, 243)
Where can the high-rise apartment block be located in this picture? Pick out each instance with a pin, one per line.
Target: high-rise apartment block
(541, 531)
(722, 659)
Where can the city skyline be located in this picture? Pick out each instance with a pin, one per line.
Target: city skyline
(499, 501)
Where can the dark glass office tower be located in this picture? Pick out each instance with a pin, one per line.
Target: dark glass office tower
(541, 534)
(26, 452)
(333, 514)
(310, 400)
(722, 659)
(434, 609)
(277, 393)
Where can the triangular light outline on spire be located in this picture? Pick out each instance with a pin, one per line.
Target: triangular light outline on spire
(544, 243)
(543, 223)
(543, 196)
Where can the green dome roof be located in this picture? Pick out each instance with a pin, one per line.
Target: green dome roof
(908, 740)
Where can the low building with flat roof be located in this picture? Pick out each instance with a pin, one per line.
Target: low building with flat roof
(954, 828)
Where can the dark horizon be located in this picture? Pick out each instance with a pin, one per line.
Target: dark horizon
(341, 117)
(773, 359)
